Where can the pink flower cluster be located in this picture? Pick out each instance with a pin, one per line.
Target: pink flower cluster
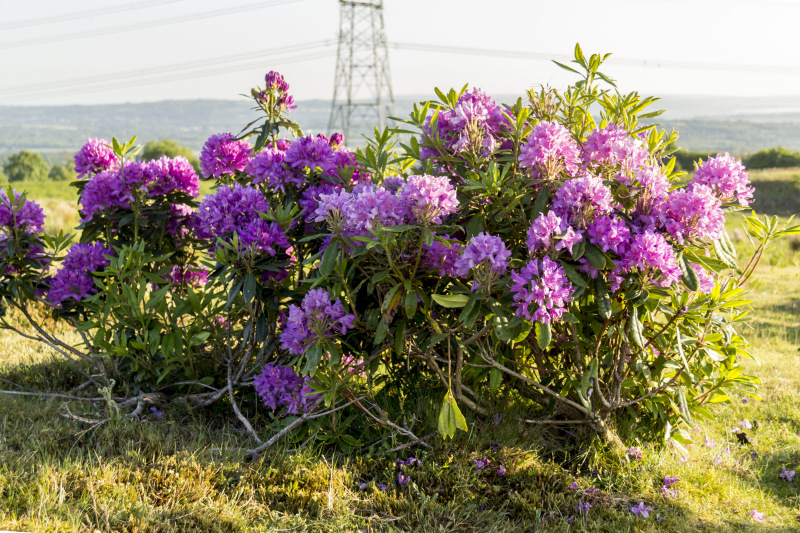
(541, 291)
(549, 151)
(317, 318)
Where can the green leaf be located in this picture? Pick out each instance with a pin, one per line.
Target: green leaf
(495, 379)
(380, 332)
(602, 297)
(688, 275)
(249, 288)
(329, 259)
(451, 300)
(541, 203)
(573, 275)
(313, 356)
(596, 258)
(427, 237)
(411, 304)
(635, 329)
(543, 335)
(450, 417)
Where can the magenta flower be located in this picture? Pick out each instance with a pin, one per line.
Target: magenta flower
(651, 253)
(610, 234)
(429, 198)
(223, 155)
(613, 145)
(403, 480)
(279, 386)
(95, 156)
(310, 152)
(670, 480)
(581, 199)
(317, 317)
(541, 291)
(501, 471)
(480, 464)
(73, 279)
(692, 214)
(486, 256)
(726, 177)
(441, 257)
(583, 507)
(573, 486)
(172, 175)
(756, 515)
(635, 452)
(267, 166)
(549, 150)
(18, 215)
(641, 510)
(788, 475)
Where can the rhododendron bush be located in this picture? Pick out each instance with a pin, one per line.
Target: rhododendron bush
(537, 248)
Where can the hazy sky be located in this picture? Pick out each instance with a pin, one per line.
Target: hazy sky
(147, 50)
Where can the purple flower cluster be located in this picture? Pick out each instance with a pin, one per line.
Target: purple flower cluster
(652, 254)
(726, 177)
(486, 256)
(172, 175)
(692, 214)
(188, 276)
(641, 510)
(223, 155)
(73, 280)
(613, 146)
(275, 97)
(312, 152)
(235, 210)
(609, 233)
(95, 156)
(357, 212)
(579, 200)
(549, 151)
(548, 228)
(541, 291)
(441, 257)
(279, 386)
(317, 317)
(634, 452)
(476, 120)
(20, 214)
(267, 166)
(429, 198)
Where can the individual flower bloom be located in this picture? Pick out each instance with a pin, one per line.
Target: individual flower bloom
(267, 166)
(403, 480)
(260, 235)
(439, 256)
(583, 507)
(393, 183)
(706, 280)
(609, 233)
(569, 239)
(670, 480)
(650, 186)
(429, 198)
(362, 485)
(581, 199)
(223, 155)
(73, 280)
(641, 510)
(669, 493)
(280, 386)
(756, 515)
(382, 487)
(501, 471)
(570, 520)
(156, 412)
(20, 214)
(745, 400)
(486, 257)
(95, 156)
(336, 140)
(316, 318)
(541, 291)
(613, 146)
(652, 254)
(542, 230)
(334, 210)
(104, 192)
(411, 461)
(726, 177)
(480, 464)
(745, 424)
(710, 443)
(373, 204)
(573, 486)
(497, 418)
(692, 214)
(310, 152)
(635, 452)
(788, 475)
(275, 81)
(188, 276)
(549, 150)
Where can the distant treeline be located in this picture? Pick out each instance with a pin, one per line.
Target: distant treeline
(771, 158)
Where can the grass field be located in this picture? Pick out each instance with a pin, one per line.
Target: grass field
(186, 471)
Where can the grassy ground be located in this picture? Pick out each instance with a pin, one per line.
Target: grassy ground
(186, 471)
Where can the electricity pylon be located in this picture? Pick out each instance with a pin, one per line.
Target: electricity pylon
(362, 92)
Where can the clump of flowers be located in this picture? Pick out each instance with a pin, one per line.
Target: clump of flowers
(550, 150)
(788, 475)
(541, 291)
(20, 214)
(317, 318)
(635, 452)
(280, 386)
(73, 280)
(613, 146)
(550, 229)
(223, 155)
(275, 97)
(726, 177)
(95, 156)
(581, 199)
(692, 214)
(641, 509)
(429, 198)
(486, 256)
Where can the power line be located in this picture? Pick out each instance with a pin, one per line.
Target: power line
(265, 54)
(615, 60)
(145, 25)
(201, 73)
(66, 17)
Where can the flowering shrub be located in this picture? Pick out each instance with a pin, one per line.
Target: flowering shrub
(530, 247)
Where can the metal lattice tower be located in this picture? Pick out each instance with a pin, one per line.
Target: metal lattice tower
(362, 93)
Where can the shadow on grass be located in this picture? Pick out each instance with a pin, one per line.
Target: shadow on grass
(777, 197)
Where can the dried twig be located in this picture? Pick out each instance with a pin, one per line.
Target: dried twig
(412, 443)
